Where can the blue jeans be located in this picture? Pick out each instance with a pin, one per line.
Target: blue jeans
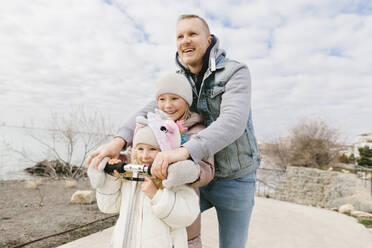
(233, 200)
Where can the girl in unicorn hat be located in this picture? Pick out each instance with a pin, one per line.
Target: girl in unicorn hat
(174, 97)
(160, 215)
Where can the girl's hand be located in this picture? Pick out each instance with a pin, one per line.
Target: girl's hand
(114, 161)
(116, 173)
(149, 188)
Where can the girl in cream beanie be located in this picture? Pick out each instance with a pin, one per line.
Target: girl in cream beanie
(169, 87)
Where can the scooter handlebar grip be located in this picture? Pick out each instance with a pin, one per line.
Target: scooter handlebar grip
(112, 167)
(149, 169)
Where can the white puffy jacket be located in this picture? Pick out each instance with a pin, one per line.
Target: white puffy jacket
(156, 223)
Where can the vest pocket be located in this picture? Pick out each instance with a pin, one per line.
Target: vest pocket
(214, 97)
(226, 161)
(216, 90)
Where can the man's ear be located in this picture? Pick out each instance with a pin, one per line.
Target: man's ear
(210, 38)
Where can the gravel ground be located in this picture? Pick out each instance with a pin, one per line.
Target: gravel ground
(28, 214)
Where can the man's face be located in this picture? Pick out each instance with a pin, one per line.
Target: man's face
(192, 42)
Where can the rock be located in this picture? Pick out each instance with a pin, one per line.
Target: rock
(55, 168)
(361, 214)
(70, 183)
(346, 209)
(360, 200)
(82, 197)
(33, 184)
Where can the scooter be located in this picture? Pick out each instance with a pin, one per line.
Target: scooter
(136, 170)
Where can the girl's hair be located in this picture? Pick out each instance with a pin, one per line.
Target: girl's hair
(186, 115)
(133, 157)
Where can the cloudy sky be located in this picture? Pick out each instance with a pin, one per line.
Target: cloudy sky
(308, 59)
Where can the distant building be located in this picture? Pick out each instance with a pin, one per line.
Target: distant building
(363, 140)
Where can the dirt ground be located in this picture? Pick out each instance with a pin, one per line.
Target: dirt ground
(29, 214)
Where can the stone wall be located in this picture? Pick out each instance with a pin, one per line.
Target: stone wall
(327, 189)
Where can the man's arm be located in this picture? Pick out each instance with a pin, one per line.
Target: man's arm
(229, 126)
(124, 137)
(231, 123)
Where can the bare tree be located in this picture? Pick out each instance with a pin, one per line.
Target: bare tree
(68, 138)
(311, 143)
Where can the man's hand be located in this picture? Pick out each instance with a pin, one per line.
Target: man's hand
(111, 149)
(149, 188)
(163, 159)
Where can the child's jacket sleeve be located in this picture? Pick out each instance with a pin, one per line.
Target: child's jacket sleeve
(178, 207)
(109, 195)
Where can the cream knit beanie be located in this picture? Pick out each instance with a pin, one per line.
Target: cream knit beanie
(145, 135)
(177, 84)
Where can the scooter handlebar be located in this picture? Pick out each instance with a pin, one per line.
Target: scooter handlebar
(123, 167)
(109, 168)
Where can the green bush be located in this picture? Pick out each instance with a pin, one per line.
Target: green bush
(365, 159)
(366, 222)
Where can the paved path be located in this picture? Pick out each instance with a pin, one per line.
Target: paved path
(275, 224)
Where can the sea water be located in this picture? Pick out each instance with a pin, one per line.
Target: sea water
(24, 147)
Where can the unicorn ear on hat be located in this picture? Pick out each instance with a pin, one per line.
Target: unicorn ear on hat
(140, 123)
(142, 120)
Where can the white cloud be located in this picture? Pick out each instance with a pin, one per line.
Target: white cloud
(307, 58)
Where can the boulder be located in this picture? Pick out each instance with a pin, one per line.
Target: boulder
(70, 183)
(82, 197)
(346, 209)
(361, 214)
(360, 201)
(55, 168)
(33, 184)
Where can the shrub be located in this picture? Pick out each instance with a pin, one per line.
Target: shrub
(311, 143)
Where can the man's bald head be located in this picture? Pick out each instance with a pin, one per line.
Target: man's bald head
(191, 16)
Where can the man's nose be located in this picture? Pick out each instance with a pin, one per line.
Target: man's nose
(186, 39)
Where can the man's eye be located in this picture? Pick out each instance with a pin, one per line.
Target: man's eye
(140, 149)
(175, 98)
(153, 149)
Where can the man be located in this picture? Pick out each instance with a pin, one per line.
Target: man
(222, 95)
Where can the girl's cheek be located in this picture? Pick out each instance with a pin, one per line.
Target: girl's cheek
(160, 106)
(183, 110)
(154, 156)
